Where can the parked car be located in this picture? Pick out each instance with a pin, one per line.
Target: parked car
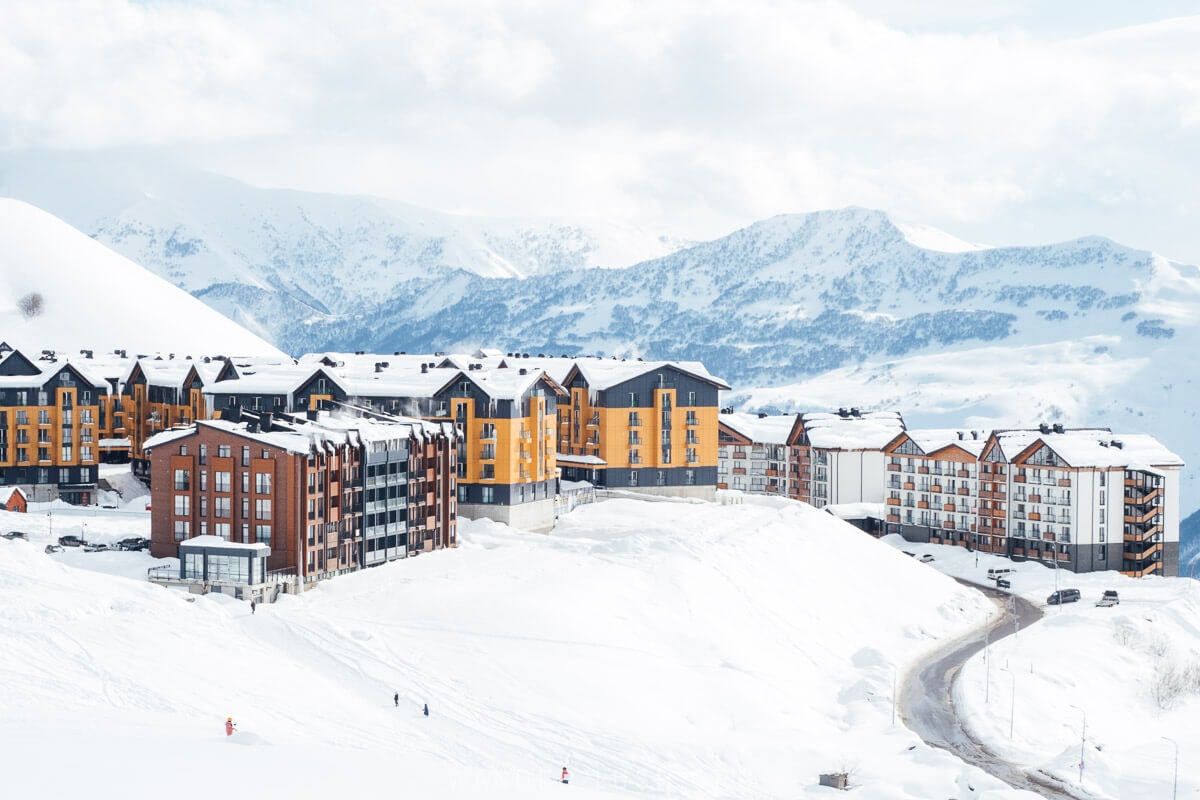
(1109, 598)
(54, 548)
(16, 535)
(70, 541)
(1063, 596)
(133, 543)
(1003, 583)
(94, 547)
(926, 558)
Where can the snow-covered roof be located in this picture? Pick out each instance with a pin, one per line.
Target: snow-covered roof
(208, 540)
(6, 493)
(768, 429)
(604, 373)
(583, 461)
(931, 440)
(868, 430)
(857, 510)
(1084, 448)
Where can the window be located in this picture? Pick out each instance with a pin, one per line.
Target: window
(43, 454)
(262, 534)
(689, 477)
(634, 419)
(203, 454)
(245, 508)
(666, 455)
(44, 417)
(489, 431)
(224, 451)
(691, 398)
(67, 454)
(633, 400)
(487, 472)
(489, 494)
(182, 528)
(262, 509)
(182, 505)
(22, 455)
(245, 455)
(85, 453)
(262, 482)
(182, 479)
(221, 507)
(221, 530)
(660, 477)
(633, 479)
(245, 481)
(221, 481)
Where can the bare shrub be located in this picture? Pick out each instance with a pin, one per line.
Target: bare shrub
(30, 305)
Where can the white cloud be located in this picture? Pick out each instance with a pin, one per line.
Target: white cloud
(996, 120)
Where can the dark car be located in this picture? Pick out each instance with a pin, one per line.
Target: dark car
(133, 543)
(70, 541)
(16, 535)
(1003, 583)
(1063, 596)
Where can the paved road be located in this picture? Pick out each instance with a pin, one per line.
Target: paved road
(927, 708)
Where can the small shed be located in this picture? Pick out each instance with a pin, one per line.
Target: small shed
(12, 498)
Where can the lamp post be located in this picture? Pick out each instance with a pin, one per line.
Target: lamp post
(1082, 739)
(987, 664)
(1175, 783)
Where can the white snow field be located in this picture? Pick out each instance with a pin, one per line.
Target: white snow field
(657, 649)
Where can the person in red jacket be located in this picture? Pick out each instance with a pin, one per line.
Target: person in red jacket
(229, 726)
(565, 776)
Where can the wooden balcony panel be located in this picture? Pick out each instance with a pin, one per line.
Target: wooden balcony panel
(947, 506)
(1064, 481)
(936, 488)
(962, 473)
(922, 504)
(893, 517)
(892, 501)
(923, 470)
(909, 485)
(893, 467)
(948, 524)
(1018, 478)
(964, 491)
(1035, 498)
(1035, 516)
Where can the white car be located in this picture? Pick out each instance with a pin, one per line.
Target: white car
(926, 558)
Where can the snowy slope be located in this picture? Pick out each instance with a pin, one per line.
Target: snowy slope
(652, 647)
(89, 297)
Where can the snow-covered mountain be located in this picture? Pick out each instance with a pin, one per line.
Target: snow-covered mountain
(65, 291)
(825, 309)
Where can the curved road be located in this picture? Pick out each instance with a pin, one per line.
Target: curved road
(927, 707)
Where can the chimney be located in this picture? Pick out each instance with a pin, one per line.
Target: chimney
(264, 421)
(762, 415)
(1044, 428)
(1058, 428)
(424, 368)
(961, 436)
(843, 413)
(1117, 443)
(974, 434)
(524, 371)
(854, 412)
(379, 366)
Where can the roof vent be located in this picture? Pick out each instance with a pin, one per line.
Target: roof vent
(207, 360)
(379, 365)
(1117, 443)
(360, 352)
(843, 412)
(1058, 428)
(961, 436)
(524, 371)
(424, 368)
(541, 355)
(1044, 428)
(762, 415)
(854, 412)
(1103, 443)
(974, 434)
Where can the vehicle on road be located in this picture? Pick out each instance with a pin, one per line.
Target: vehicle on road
(926, 558)
(1063, 596)
(999, 572)
(16, 535)
(1109, 598)
(70, 541)
(54, 548)
(1003, 583)
(94, 547)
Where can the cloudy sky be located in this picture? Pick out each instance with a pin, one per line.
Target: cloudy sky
(1001, 121)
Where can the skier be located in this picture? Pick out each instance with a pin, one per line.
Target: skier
(229, 726)
(426, 712)
(396, 699)
(565, 776)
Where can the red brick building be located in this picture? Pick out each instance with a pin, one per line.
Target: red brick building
(328, 493)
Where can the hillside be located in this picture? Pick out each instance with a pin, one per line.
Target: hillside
(652, 647)
(66, 291)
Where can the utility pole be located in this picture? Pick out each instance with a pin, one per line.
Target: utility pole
(1175, 785)
(1082, 740)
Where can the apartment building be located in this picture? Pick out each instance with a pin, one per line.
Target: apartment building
(753, 454)
(933, 491)
(327, 493)
(157, 394)
(1079, 499)
(838, 458)
(49, 426)
(649, 427)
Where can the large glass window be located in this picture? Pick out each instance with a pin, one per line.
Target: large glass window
(183, 479)
(221, 481)
(221, 508)
(262, 482)
(262, 509)
(183, 505)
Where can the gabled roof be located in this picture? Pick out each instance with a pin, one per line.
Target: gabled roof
(933, 441)
(601, 373)
(1083, 449)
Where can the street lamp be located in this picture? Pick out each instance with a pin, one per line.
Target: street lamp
(1082, 739)
(1175, 785)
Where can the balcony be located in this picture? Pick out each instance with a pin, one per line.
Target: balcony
(1139, 497)
(1018, 479)
(893, 517)
(922, 504)
(892, 501)
(1141, 519)
(1064, 482)
(948, 524)
(922, 470)
(1141, 554)
(963, 473)
(909, 485)
(893, 467)
(948, 507)
(936, 488)
(964, 491)
(1035, 498)
(1035, 516)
